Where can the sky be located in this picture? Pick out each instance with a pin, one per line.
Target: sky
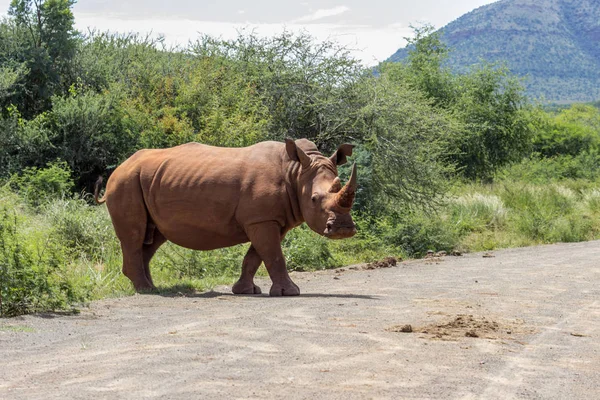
(373, 29)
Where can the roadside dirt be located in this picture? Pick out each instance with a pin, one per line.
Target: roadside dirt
(512, 324)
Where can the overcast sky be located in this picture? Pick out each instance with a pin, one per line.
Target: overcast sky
(375, 28)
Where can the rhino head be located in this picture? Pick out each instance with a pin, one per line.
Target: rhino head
(325, 204)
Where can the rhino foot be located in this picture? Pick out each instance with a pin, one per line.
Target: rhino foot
(290, 289)
(245, 288)
(144, 289)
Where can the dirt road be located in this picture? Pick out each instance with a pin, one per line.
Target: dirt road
(524, 323)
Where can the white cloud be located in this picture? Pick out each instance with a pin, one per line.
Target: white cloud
(322, 13)
(368, 44)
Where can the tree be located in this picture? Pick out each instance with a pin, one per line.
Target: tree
(426, 70)
(496, 119)
(43, 42)
(487, 104)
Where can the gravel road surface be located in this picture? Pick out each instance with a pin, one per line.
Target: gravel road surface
(513, 324)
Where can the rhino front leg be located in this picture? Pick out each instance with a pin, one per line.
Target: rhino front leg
(266, 239)
(245, 285)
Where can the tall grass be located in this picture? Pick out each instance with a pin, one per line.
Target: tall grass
(526, 214)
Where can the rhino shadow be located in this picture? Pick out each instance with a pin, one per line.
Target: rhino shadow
(173, 291)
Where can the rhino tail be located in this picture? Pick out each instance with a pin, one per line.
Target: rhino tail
(97, 186)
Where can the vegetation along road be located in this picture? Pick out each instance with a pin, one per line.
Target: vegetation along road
(518, 323)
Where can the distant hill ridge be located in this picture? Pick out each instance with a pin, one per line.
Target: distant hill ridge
(556, 43)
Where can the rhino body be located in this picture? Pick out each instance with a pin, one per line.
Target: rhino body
(203, 197)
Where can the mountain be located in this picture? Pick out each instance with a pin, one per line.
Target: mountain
(554, 43)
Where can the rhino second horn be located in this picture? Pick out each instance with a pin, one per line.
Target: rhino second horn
(345, 197)
(336, 186)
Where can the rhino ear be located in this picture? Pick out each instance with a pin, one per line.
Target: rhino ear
(341, 154)
(296, 153)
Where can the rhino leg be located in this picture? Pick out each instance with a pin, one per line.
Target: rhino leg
(149, 249)
(266, 239)
(130, 217)
(245, 285)
(133, 267)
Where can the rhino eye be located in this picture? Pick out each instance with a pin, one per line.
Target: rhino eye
(314, 198)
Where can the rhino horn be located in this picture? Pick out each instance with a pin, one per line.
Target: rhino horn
(345, 197)
(336, 185)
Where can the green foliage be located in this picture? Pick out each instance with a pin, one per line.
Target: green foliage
(426, 58)
(184, 263)
(418, 232)
(497, 122)
(537, 169)
(406, 139)
(40, 41)
(33, 270)
(476, 212)
(572, 131)
(39, 186)
(83, 230)
(305, 250)
(301, 83)
(547, 214)
(89, 131)
(492, 122)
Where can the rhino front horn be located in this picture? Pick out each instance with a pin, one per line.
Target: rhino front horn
(345, 197)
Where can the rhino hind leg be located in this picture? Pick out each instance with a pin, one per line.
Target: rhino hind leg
(266, 239)
(133, 268)
(245, 285)
(130, 219)
(149, 249)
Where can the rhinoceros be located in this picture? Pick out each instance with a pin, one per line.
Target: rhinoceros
(204, 198)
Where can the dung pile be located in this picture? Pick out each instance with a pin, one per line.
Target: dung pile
(387, 262)
(463, 325)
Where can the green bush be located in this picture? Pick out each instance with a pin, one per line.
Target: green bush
(418, 232)
(538, 170)
(33, 269)
(573, 131)
(83, 229)
(305, 250)
(40, 185)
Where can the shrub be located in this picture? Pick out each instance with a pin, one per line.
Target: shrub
(305, 250)
(536, 169)
(419, 231)
(33, 274)
(83, 229)
(39, 185)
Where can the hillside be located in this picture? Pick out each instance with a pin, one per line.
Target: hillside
(556, 43)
